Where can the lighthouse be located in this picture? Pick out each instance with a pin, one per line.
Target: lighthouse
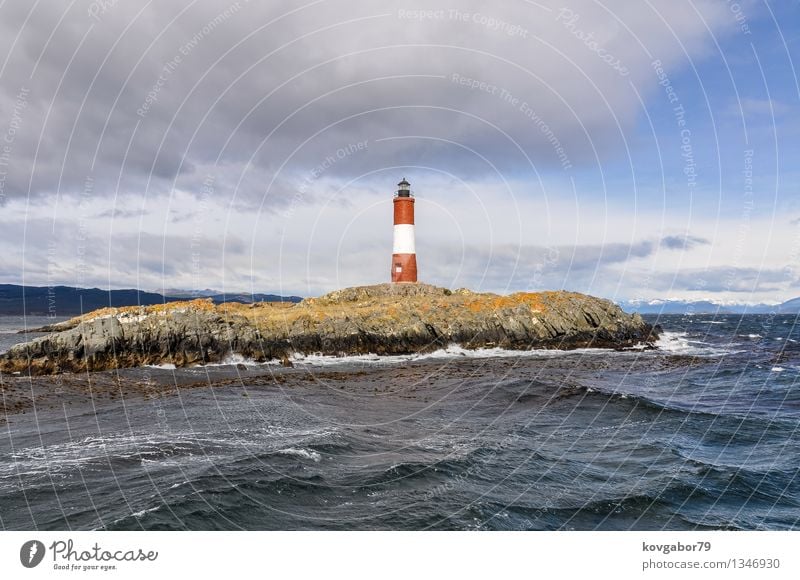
(404, 256)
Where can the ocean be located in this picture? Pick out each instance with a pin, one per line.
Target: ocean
(14, 329)
(701, 433)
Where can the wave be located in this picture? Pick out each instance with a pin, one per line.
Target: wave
(433, 464)
(235, 359)
(692, 408)
(680, 344)
(371, 359)
(752, 475)
(619, 510)
(633, 503)
(408, 471)
(452, 352)
(128, 450)
(116, 451)
(302, 453)
(223, 502)
(142, 513)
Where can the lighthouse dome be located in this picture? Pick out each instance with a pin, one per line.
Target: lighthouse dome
(404, 188)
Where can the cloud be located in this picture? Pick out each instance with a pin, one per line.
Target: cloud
(684, 242)
(586, 268)
(723, 279)
(141, 100)
(119, 213)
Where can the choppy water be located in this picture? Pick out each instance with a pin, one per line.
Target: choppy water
(700, 434)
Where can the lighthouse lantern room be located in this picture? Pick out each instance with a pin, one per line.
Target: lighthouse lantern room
(404, 257)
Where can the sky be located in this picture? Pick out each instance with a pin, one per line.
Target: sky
(630, 150)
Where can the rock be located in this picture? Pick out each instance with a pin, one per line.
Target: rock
(382, 319)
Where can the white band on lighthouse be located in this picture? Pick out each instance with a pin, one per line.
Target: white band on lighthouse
(404, 239)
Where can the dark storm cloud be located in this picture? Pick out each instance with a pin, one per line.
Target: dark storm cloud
(144, 99)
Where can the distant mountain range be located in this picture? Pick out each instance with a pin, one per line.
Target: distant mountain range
(706, 307)
(69, 301)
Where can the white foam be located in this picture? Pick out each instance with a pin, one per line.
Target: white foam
(451, 352)
(233, 359)
(777, 369)
(304, 453)
(139, 514)
(674, 342)
(148, 449)
(458, 351)
(177, 449)
(678, 343)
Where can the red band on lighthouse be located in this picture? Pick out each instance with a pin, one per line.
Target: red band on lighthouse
(404, 210)
(404, 255)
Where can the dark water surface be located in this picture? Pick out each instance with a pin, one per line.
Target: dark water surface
(702, 433)
(13, 328)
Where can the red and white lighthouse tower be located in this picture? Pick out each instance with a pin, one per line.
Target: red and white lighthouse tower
(404, 256)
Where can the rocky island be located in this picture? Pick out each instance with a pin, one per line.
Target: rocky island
(383, 319)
